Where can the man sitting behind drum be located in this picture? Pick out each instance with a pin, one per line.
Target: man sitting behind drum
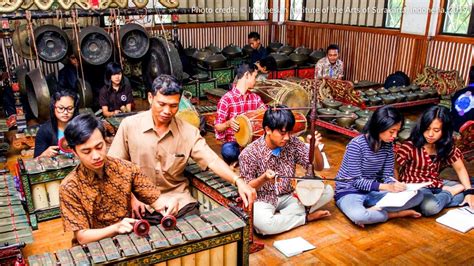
(95, 196)
(330, 66)
(259, 52)
(161, 144)
(276, 154)
(265, 66)
(235, 102)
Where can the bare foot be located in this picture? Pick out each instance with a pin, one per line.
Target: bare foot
(454, 190)
(317, 215)
(405, 213)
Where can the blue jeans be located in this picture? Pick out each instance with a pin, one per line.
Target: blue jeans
(436, 199)
(354, 206)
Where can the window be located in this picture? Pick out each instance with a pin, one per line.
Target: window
(160, 19)
(296, 10)
(369, 13)
(260, 10)
(394, 12)
(212, 11)
(227, 10)
(458, 17)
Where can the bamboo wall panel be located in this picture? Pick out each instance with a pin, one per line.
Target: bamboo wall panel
(367, 56)
(451, 56)
(222, 36)
(374, 56)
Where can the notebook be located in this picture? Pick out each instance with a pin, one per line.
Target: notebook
(398, 199)
(293, 246)
(461, 219)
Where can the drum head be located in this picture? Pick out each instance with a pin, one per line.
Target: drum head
(189, 116)
(309, 191)
(295, 98)
(244, 135)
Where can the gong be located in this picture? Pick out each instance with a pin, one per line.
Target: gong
(173, 57)
(155, 63)
(21, 72)
(22, 43)
(85, 93)
(52, 43)
(38, 94)
(96, 45)
(134, 41)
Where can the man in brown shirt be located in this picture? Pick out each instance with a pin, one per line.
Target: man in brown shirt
(161, 145)
(95, 196)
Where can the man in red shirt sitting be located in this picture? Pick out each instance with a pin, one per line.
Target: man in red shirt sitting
(235, 102)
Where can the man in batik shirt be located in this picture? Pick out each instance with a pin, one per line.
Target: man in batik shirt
(330, 66)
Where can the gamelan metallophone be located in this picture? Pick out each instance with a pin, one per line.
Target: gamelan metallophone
(216, 237)
(41, 178)
(211, 191)
(15, 230)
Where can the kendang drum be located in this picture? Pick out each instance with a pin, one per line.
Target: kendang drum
(283, 92)
(250, 126)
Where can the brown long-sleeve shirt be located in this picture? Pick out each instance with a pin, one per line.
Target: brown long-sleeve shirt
(90, 202)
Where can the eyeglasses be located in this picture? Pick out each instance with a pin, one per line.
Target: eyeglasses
(62, 109)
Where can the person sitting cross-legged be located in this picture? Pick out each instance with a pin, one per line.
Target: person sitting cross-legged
(275, 154)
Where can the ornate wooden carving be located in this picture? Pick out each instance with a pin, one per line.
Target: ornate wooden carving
(10, 5)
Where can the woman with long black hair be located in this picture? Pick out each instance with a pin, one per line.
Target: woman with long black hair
(368, 170)
(63, 108)
(422, 157)
(116, 95)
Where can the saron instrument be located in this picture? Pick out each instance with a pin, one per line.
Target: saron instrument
(216, 237)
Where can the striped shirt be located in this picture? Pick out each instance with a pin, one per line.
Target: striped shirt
(232, 104)
(257, 158)
(364, 168)
(417, 166)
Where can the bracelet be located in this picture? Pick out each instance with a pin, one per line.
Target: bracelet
(469, 191)
(234, 181)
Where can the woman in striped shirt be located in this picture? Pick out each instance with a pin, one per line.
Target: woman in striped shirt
(422, 157)
(368, 167)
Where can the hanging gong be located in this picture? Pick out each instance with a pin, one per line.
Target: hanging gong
(22, 43)
(52, 43)
(96, 45)
(21, 72)
(134, 41)
(155, 63)
(175, 60)
(85, 93)
(38, 94)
